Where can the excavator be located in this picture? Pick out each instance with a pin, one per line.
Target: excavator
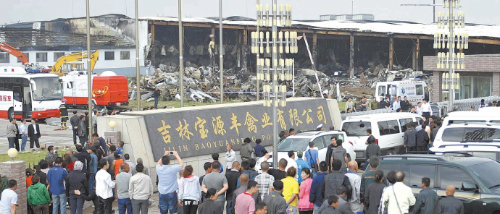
(13, 51)
(70, 62)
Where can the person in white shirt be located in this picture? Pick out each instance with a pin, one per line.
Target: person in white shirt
(230, 156)
(419, 108)
(426, 109)
(291, 161)
(398, 197)
(8, 203)
(23, 130)
(104, 188)
(140, 190)
(396, 105)
(355, 181)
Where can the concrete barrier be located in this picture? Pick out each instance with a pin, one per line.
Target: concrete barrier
(148, 134)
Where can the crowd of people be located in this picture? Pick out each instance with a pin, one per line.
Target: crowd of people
(100, 172)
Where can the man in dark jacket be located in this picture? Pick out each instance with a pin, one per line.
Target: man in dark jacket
(410, 138)
(76, 187)
(426, 200)
(334, 180)
(329, 151)
(156, 95)
(34, 133)
(82, 131)
(449, 204)
(210, 206)
(437, 126)
(405, 105)
(275, 201)
(246, 150)
(232, 177)
(83, 156)
(422, 139)
(315, 196)
(75, 122)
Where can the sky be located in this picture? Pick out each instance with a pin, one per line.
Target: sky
(480, 12)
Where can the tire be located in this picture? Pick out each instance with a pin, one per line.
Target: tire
(10, 114)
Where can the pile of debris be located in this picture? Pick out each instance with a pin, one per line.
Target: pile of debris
(202, 83)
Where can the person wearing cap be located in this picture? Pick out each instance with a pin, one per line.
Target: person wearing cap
(210, 206)
(319, 127)
(76, 187)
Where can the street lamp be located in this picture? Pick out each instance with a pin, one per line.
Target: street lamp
(89, 71)
(451, 38)
(273, 68)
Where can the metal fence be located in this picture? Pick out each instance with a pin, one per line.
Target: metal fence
(468, 104)
(358, 113)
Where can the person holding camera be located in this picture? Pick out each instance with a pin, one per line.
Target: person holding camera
(167, 182)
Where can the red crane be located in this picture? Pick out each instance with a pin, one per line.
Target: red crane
(12, 50)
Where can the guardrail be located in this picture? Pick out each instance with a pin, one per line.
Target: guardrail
(467, 104)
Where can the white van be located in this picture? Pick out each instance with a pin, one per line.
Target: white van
(387, 128)
(414, 90)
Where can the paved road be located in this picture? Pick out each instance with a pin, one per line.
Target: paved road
(51, 135)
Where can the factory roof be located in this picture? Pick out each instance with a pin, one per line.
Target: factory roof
(379, 26)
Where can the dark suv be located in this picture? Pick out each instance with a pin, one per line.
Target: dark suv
(477, 179)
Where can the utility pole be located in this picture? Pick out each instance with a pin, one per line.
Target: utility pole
(181, 53)
(433, 5)
(257, 57)
(89, 73)
(221, 55)
(137, 65)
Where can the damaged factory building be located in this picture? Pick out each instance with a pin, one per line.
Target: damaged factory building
(351, 54)
(354, 54)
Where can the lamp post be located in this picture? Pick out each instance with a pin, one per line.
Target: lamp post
(273, 69)
(181, 54)
(451, 38)
(89, 71)
(137, 68)
(221, 55)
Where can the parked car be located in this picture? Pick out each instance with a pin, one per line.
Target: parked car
(479, 140)
(300, 142)
(476, 179)
(387, 128)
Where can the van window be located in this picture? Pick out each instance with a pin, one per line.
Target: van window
(381, 90)
(471, 134)
(388, 127)
(419, 120)
(356, 128)
(393, 90)
(420, 90)
(319, 142)
(453, 176)
(417, 172)
(403, 123)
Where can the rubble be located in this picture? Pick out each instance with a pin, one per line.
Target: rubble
(202, 83)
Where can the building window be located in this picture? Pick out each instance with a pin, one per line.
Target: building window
(27, 56)
(109, 55)
(4, 57)
(41, 57)
(474, 86)
(124, 55)
(58, 55)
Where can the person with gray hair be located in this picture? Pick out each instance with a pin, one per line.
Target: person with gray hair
(140, 161)
(77, 188)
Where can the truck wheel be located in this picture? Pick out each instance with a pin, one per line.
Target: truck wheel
(10, 114)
